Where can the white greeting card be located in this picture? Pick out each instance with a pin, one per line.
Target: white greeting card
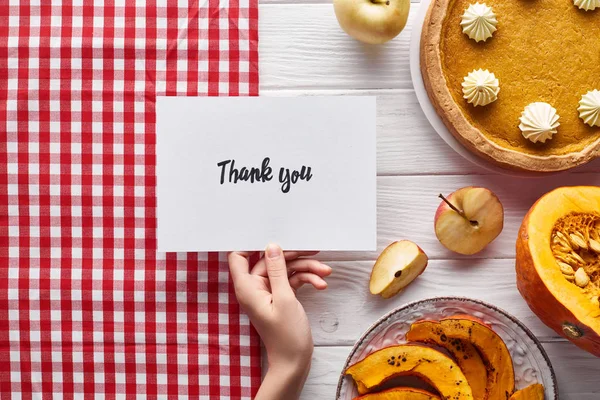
(235, 173)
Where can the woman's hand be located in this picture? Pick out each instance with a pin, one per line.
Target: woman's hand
(267, 293)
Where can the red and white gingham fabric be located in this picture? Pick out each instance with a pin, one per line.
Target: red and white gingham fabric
(88, 308)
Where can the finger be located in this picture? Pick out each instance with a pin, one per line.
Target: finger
(292, 255)
(307, 265)
(301, 278)
(238, 265)
(260, 268)
(277, 272)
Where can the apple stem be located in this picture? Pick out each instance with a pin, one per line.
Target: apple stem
(386, 2)
(459, 212)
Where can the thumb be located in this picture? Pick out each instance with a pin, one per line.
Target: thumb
(277, 272)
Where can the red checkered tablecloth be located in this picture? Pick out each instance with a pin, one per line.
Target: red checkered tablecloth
(87, 306)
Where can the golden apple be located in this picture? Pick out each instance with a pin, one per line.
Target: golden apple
(372, 21)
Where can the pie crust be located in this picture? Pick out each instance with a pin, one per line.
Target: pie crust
(472, 137)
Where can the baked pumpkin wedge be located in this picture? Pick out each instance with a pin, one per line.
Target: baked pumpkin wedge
(532, 392)
(465, 354)
(558, 263)
(500, 372)
(434, 367)
(400, 393)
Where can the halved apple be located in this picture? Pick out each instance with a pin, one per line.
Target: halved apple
(468, 220)
(434, 367)
(400, 393)
(396, 267)
(465, 354)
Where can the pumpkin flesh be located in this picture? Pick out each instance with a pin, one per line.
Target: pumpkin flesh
(569, 309)
(434, 367)
(532, 392)
(465, 354)
(400, 393)
(500, 372)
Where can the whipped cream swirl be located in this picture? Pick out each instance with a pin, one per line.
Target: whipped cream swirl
(589, 108)
(480, 87)
(539, 122)
(479, 22)
(587, 5)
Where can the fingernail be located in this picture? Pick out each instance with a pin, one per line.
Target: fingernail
(273, 252)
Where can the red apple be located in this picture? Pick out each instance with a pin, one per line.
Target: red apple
(469, 219)
(396, 267)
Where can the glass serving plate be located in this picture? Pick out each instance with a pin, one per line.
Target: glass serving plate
(530, 360)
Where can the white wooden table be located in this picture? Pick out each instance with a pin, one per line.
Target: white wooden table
(304, 52)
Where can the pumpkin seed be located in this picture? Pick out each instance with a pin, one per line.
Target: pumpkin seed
(561, 235)
(595, 246)
(577, 257)
(581, 278)
(564, 249)
(562, 240)
(577, 240)
(567, 259)
(566, 269)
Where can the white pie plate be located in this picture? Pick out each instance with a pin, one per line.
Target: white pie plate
(530, 360)
(428, 109)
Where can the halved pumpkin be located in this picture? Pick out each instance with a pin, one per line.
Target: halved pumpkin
(465, 354)
(400, 393)
(532, 392)
(500, 372)
(558, 263)
(434, 367)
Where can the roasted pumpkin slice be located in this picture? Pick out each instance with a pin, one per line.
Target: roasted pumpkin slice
(434, 367)
(465, 354)
(400, 393)
(558, 263)
(500, 372)
(532, 392)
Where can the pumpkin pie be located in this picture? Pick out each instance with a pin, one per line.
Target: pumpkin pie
(534, 60)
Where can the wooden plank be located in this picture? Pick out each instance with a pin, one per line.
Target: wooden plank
(303, 47)
(407, 205)
(340, 314)
(577, 372)
(406, 142)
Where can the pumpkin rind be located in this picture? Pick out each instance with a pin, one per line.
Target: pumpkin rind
(400, 393)
(501, 377)
(583, 331)
(434, 367)
(532, 392)
(465, 354)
